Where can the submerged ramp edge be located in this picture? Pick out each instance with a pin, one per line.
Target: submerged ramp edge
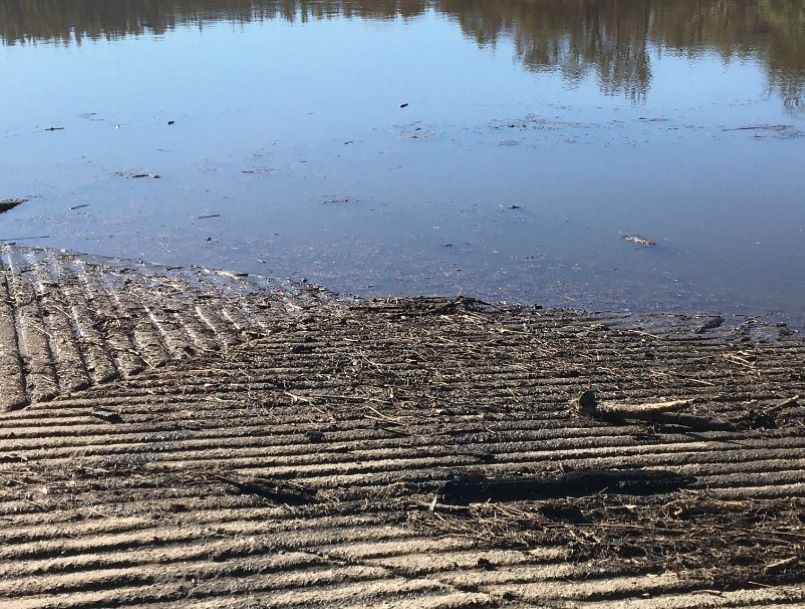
(189, 438)
(68, 322)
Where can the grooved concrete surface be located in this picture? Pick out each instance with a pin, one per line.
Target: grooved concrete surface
(184, 438)
(68, 322)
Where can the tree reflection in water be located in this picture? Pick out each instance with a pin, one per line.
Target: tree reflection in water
(610, 38)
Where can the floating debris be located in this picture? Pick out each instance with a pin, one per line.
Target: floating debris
(337, 200)
(9, 204)
(777, 128)
(416, 131)
(532, 121)
(778, 131)
(638, 240)
(137, 176)
(711, 324)
(258, 169)
(13, 240)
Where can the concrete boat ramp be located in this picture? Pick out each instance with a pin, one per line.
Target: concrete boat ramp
(192, 438)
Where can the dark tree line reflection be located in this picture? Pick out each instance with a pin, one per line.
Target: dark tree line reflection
(610, 38)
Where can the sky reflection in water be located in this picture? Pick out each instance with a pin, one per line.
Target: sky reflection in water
(537, 132)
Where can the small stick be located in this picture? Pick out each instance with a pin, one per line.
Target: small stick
(644, 409)
(588, 405)
(788, 403)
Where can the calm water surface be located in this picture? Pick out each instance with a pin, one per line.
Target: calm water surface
(536, 133)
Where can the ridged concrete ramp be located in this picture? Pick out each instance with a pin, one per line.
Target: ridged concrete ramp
(69, 322)
(269, 447)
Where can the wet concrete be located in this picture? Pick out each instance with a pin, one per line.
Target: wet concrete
(400, 453)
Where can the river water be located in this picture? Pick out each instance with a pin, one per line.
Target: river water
(494, 148)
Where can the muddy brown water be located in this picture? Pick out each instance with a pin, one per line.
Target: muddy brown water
(495, 148)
